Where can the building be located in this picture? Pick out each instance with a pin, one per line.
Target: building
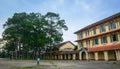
(100, 40)
(63, 51)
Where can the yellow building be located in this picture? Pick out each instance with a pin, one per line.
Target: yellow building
(100, 40)
(63, 51)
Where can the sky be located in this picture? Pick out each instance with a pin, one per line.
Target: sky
(76, 13)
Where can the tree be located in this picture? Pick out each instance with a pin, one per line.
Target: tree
(55, 28)
(32, 33)
(75, 47)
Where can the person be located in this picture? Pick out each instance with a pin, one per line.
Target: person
(38, 61)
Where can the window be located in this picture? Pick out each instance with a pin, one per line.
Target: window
(112, 26)
(81, 43)
(102, 29)
(114, 37)
(119, 22)
(81, 35)
(95, 41)
(87, 33)
(103, 39)
(88, 43)
(94, 30)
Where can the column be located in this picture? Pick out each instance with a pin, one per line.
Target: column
(55, 57)
(80, 58)
(87, 56)
(69, 56)
(65, 56)
(61, 57)
(96, 55)
(117, 54)
(74, 56)
(106, 55)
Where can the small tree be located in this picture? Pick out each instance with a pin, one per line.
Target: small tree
(75, 47)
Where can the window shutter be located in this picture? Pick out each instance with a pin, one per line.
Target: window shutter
(111, 38)
(92, 41)
(97, 41)
(116, 37)
(101, 40)
(106, 39)
(82, 43)
(119, 22)
(114, 24)
(109, 26)
(100, 29)
(104, 28)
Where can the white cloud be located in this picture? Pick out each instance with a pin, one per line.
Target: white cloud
(61, 1)
(89, 6)
(82, 4)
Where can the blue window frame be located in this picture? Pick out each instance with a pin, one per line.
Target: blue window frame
(112, 26)
(95, 41)
(88, 43)
(102, 28)
(81, 35)
(94, 30)
(81, 43)
(114, 37)
(103, 39)
(87, 33)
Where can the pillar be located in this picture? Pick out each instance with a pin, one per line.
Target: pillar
(96, 55)
(74, 56)
(61, 57)
(55, 57)
(80, 56)
(87, 57)
(65, 56)
(117, 54)
(106, 55)
(69, 57)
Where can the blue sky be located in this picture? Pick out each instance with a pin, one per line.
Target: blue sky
(77, 13)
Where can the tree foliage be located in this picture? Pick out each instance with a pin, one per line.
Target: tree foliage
(33, 32)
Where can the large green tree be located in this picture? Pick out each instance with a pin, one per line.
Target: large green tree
(32, 32)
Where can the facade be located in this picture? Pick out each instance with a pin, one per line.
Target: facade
(100, 40)
(64, 51)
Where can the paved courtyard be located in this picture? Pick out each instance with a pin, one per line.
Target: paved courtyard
(59, 64)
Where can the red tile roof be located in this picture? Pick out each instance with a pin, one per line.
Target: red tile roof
(106, 47)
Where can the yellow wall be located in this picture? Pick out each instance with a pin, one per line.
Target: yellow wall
(98, 28)
(98, 32)
(67, 45)
(104, 54)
